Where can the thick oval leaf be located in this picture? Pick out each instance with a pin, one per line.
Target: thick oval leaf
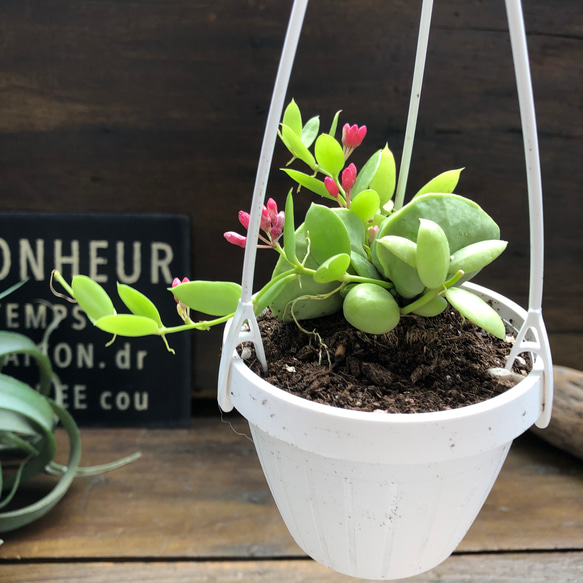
(365, 205)
(432, 254)
(310, 182)
(476, 256)
(128, 325)
(355, 228)
(92, 298)
(364, 267)
(292, 118)
(401, 247)
(137, 303)
(444, 183)
(332, 269)
(327, 233)
(432, 308)
(216, 298)
(265, 299)
(366, 173)
(310, 131)
(385, 178)
(329, 155)
(296, 147)
(476, 310)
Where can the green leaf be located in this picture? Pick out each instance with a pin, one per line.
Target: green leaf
(432, 254)
(292, 118)
(327, 233)
(296, 147)
(334, 125)
(309, 182)
(367, 173)
(432, 308)
(138, 304)
(216, 298)
(401, 247)
(476, 310)
(310, 131)
(365, 205)
(443, 183)
(128, 325)
(476, 256)
(289, 234)
(385, 178)
(355, 228)
(329, 155)
(364, 267)
(332, 269)
(92, 298)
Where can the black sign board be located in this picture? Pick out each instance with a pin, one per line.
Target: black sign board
(134, 382)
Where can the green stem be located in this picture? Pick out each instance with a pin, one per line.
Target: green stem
(57, 275)
(432, 293)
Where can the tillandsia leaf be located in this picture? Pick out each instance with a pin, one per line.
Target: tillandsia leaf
(404, 249)
(12, 288)
(445, 182)
(22, 516)
(476, 310)
(310, 182)
(328, 234)
(329, 155)
(14, 343)
(128, 325)
(365, 205)
(332, 269)
(138, 304)
(367, 173)
(215, 298)
(433, 254)
(310, 131)
(292, 118)
(476, 256)
(334, 125)
(92, 298)
(289, 230)
(294, 144)
(385, 177)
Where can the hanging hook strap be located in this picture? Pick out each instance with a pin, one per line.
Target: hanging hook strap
(245, 312)
(533, 324)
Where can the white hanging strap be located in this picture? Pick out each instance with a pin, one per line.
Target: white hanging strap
(420, 57)
(245, 312)
(533, 327)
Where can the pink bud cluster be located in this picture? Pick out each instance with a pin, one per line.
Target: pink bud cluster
(272, 223)
(348, 180)
(352, 137)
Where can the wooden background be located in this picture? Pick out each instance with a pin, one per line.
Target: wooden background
(160, 106)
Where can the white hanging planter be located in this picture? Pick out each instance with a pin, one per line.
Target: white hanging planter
(377, 495)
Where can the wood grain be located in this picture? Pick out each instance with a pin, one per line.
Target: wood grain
(200, 494)
(526, 568)
(160, 107)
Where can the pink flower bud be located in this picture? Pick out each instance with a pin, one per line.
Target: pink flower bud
(372, 233)
(176, 281)
(331, 187)
(265, 220)
(277, 226)
(235, 238)
(349, 177)
(272, 208)
(352, 136)
(244, 219)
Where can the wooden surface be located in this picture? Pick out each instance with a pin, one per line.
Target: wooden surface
(195, 507)
(160, 106)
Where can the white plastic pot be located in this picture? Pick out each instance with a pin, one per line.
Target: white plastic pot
(376, 495)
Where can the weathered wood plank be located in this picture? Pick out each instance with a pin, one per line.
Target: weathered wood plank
(200, 493)
(160, 107)
(528, 568)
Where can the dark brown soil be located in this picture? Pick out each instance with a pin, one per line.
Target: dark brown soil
(425, 364)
